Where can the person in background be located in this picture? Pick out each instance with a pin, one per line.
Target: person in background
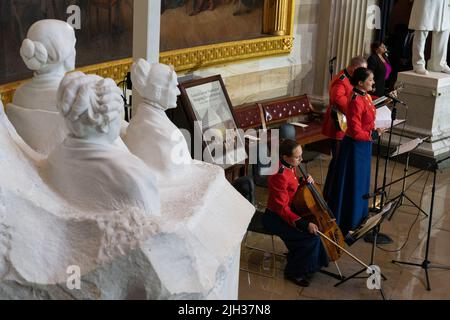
(380, 66)
(400, 52)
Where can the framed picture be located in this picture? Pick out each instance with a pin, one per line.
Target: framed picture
(210, 114)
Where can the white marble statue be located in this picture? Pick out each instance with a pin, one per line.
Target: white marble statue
(89, 168)
(65, 215)
(49, 51)
(192, 252)
(198, 204)
(429, 16)
(151, 135)
(44, 239)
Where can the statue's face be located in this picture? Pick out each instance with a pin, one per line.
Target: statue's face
(173, 93)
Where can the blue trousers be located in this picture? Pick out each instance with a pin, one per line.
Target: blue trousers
(306, 252)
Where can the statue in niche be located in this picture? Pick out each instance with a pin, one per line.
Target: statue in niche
(49, 51)
(429, 16)
(151, 135)
(89, 168)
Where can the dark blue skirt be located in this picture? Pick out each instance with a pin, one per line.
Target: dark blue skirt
(351, 183)
(306, 251)
(328, 186)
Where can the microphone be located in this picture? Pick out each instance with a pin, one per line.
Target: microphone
(373, 195)
(397, 100)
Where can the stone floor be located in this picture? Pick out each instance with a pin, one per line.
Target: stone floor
(408, 229)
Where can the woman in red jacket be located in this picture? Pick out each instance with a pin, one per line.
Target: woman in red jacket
(340, 93)
(306, 252)
(352, 179)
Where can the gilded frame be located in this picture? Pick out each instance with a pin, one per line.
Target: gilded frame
(278, 24)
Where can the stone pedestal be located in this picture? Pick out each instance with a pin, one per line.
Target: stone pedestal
(428, 114)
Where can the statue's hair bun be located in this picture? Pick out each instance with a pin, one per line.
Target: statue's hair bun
(34, 54)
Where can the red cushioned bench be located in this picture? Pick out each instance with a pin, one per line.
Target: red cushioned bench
(271, 114)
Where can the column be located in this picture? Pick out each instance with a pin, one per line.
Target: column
(342, 34)
(146, 34)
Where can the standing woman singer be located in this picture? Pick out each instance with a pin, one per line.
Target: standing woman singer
(354, 163)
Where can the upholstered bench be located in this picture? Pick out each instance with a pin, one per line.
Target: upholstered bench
(294, 109)
(273, 113)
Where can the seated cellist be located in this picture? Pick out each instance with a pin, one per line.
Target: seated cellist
(306, 252)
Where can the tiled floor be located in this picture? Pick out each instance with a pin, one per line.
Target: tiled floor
(404, 282)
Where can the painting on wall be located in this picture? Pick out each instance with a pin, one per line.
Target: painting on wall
(106, 27)
(194, 33)
(192, 23)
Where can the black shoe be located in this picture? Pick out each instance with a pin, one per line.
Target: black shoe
(381, 238)
(300, 281)
(309, 276)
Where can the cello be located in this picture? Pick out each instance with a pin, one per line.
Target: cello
(309, 204)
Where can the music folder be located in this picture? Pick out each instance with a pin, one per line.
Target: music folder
(369, 224)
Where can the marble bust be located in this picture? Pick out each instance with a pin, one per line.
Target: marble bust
(429, 16)
(49, 51)
(89, 168)
(151, 135)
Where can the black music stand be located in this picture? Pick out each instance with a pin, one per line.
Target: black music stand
(402, 149)
(426, 264)
(372, 224)
(393, 124)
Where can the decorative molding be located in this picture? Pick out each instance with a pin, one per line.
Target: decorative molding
(276, 15)
(199, 57)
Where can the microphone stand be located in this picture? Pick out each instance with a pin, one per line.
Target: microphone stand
(393, 118)
(377, 169)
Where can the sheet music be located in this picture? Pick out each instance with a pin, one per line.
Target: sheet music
(380, 100)
(408, 147)
(383, 119)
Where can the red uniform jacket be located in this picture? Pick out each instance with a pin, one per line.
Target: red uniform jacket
(282, 188)
(360, 116)
(340, 91)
